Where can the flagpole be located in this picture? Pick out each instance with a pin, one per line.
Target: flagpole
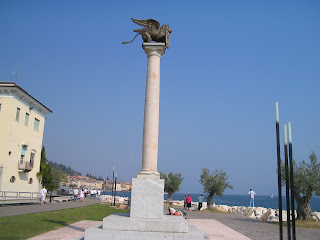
(286, 165)
(279, 172)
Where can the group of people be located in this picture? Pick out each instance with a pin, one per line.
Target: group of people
(94, 193)
(76, 193)
(84, 192)
(188, 200)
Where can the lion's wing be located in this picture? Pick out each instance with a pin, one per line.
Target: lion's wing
(148, 23)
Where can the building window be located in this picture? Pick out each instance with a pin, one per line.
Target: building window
(32, 157)
(26, 120)
(18, 114)
(30, 181)
(24, 149)
(36, 124)
(23, 153)
(13, 179)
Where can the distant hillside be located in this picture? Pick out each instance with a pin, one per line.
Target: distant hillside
(64, 169)
(70, 171)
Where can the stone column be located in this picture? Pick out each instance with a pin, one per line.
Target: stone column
(148, 189)
(154, 52)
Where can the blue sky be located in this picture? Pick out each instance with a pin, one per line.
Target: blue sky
(228, 63)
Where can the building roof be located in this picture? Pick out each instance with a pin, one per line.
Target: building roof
(12, 88)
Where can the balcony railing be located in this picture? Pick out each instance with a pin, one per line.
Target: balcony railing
(26, 166)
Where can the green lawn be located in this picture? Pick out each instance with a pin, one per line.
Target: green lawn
(303, 224)
(30, 225)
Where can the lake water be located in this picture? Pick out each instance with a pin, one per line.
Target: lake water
(238, 200)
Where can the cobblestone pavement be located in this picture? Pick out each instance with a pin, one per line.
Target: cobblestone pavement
(254, 229)
(47, 207)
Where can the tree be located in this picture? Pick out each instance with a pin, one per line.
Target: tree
(64, 178)
(45, 173)
(306, 181)
(172, 183)
(214, 184)
(56, 178)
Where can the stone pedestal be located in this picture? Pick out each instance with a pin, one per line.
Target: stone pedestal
(147, 198)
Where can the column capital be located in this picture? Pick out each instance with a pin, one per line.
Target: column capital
(157, 49)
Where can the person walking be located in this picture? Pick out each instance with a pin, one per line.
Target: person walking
(81, 195)
(252, 195)
(185, 202)
(188, 201)
(200, 199)
(99, 193)
(94, 193)
(75, 194)
(43, 194)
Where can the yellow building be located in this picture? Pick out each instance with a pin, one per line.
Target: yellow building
(22, 120)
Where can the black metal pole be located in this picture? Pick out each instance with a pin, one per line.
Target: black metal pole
(293, 209)
(279, 172)
(112, 186)
(115, 190)
(286, 165)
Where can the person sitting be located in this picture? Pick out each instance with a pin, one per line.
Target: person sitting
(173, 211)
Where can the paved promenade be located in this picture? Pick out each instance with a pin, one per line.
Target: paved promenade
(253, 229)
(216, 226)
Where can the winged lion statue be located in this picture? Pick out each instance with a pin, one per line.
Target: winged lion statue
(152, 31)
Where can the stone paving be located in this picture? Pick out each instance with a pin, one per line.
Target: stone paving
(254, 229)
(70, 232)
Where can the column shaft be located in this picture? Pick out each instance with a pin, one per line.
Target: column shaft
(151, 111)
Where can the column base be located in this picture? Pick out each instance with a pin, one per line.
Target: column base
(123, 227)
(148, 174)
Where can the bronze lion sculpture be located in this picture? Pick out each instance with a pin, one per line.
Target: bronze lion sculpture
(152, 31)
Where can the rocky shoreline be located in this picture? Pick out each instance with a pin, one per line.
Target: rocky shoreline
(260, 213)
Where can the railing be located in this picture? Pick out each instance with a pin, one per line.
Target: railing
(18, 195)
(25, 165)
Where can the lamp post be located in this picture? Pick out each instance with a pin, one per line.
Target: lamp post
(115, 189)
(105, 181)
(112, 184)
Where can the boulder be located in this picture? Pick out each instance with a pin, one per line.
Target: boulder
(260, 210)
(273, 219)
(249, 212)
(221, 208)
(316, 216)
(269, 213)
